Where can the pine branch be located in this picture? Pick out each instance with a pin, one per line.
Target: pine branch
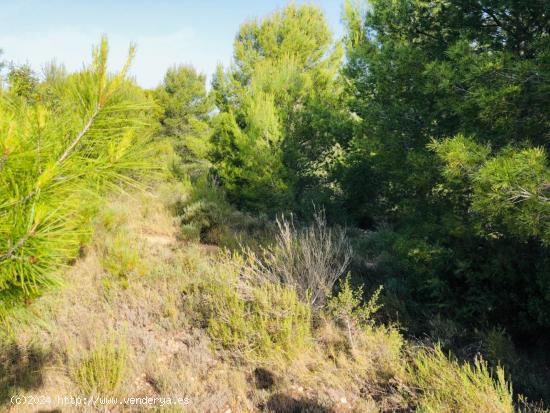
(67, 152)
(101, 131)
(19, 244)
(23, 240)
(79, 136)
(523, 194)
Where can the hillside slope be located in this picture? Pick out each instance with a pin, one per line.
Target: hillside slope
(144, 313)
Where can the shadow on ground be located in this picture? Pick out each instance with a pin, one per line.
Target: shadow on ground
(282, 403)
(21, 369)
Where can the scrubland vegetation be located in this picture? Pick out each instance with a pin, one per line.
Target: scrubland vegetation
(336, 225)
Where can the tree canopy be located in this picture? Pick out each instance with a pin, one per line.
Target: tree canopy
(432, 134)
(282, 65)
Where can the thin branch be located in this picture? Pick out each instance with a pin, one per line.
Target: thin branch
(494, 17)
(523, 194)
(67, 152)
(79, 136)
(9, 254)
(418, 31)
(3, 161)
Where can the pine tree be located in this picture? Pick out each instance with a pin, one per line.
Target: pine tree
(58, 154)
(281, 63)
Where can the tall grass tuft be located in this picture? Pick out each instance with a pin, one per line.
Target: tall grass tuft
(102, 370)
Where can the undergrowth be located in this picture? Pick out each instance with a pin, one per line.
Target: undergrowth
(447, 386)
(101, 370)
(203, 322)
(253, 319)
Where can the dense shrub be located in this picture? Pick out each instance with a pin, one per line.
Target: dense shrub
(254, 318)
(447, 386)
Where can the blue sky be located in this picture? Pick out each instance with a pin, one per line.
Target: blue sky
(167, 32)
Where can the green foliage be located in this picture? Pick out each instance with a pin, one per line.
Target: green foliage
(469, 212)
(102, 370)
(57, 157)
(353, 18)
(462, 156)
(256, 319)
(283, 63)
(447, 386)
(23, 83)
(509, 191)
(348, 304)
(513, 190)
(186, 106)
(436, 70)
(348, 308)
(204, 214)
(498, 348)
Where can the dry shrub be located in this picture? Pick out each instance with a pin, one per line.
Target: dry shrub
(374, 360)
(309, 259)
(122, 256)
(380, 348)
